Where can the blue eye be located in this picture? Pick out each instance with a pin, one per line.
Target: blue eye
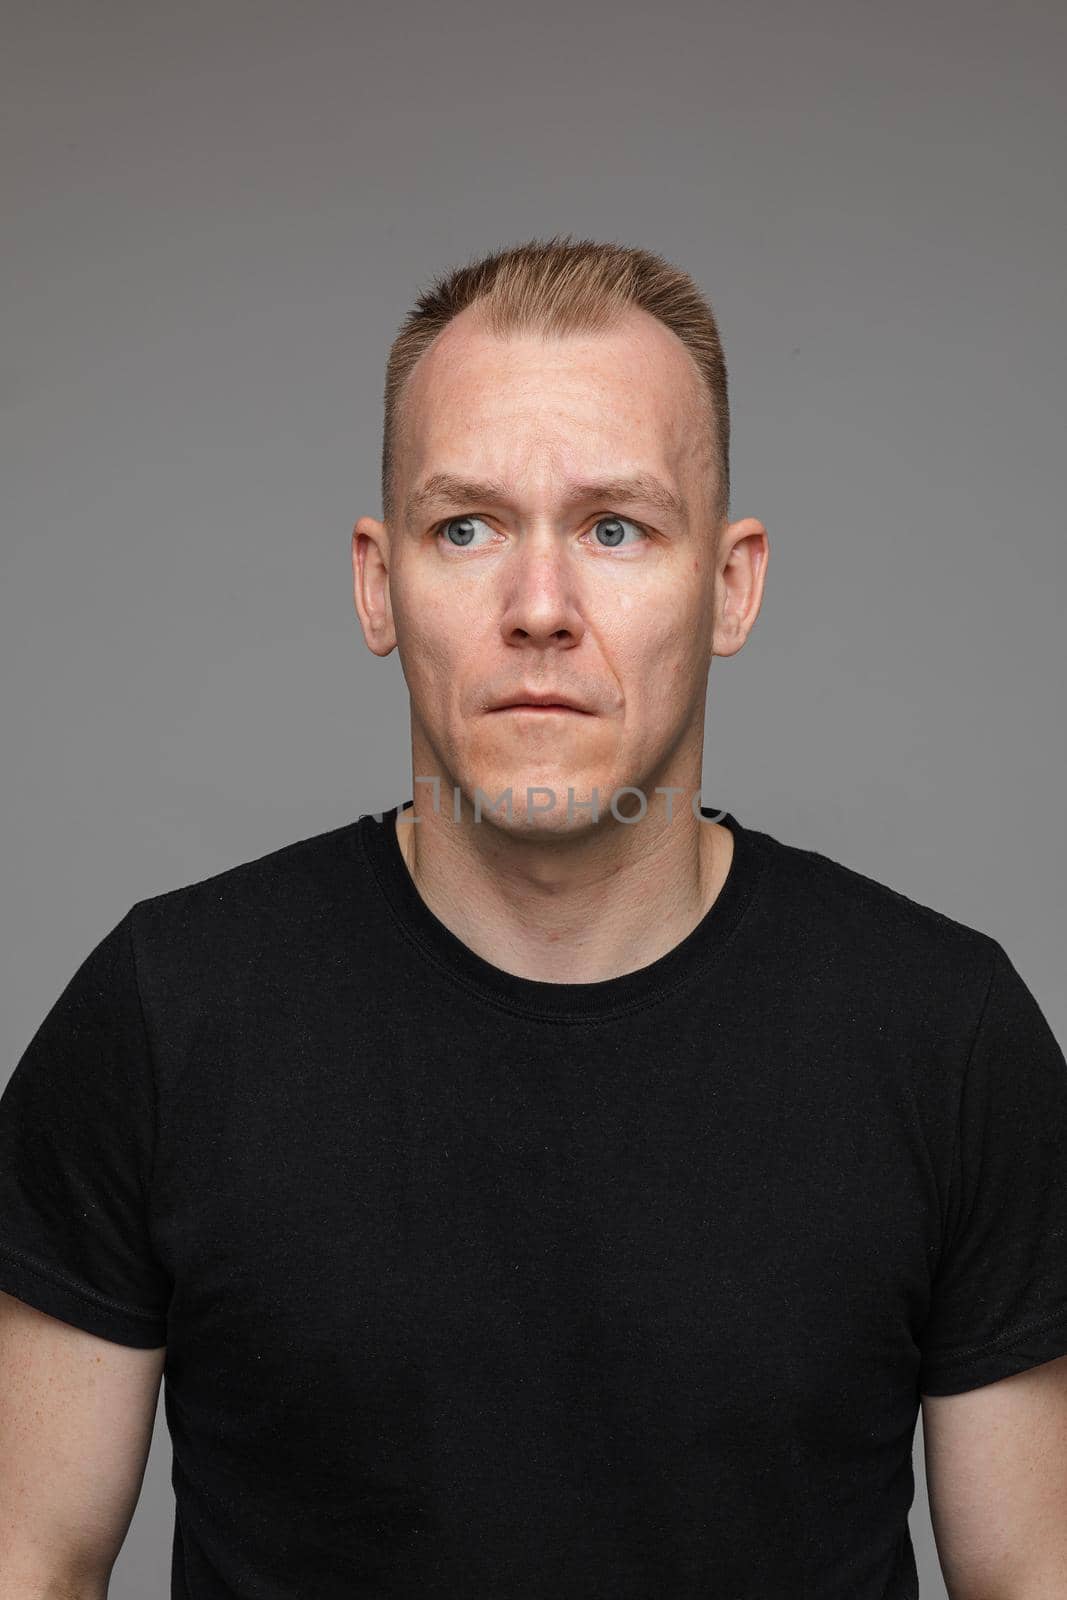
(615, 526)
(463, 530)
(459, 533)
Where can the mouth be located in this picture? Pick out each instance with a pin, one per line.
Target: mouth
(543, 708)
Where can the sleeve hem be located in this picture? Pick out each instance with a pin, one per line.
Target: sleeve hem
(1017, 1351)
(52, 1291)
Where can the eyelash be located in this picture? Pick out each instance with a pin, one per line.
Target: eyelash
(605, 516)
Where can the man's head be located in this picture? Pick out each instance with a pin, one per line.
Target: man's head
(555, 490)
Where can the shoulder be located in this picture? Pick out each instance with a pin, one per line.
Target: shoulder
(838, 919)
(275, 900)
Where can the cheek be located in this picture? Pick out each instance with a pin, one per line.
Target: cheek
(431, 659)
(663, 662)
(434, 631)
(441, 653)
(651, 633)
(428, 651)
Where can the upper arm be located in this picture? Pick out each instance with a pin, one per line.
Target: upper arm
(84, 1294)
(996, 1478)
(993, 1370)
(76, 1419)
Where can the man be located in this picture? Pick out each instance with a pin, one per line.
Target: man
(554, 1187)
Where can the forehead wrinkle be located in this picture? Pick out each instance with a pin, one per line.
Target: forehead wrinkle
(641, 487)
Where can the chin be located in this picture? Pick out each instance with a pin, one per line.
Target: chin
(528, 814)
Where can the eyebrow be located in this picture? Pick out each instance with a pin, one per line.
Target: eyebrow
(643, 488)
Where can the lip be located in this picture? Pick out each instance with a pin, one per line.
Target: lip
(545, 707)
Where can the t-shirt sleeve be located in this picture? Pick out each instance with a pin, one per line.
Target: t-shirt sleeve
(999, 1300)
(77, 1131)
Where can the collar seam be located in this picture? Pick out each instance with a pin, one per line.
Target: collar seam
(760, 862)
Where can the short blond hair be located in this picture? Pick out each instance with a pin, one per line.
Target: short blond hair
(560, 286)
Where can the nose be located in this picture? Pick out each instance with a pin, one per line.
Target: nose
(541, 602)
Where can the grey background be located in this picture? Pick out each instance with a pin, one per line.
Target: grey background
(216, 217)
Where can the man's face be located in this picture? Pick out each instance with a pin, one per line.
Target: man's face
(534, 579)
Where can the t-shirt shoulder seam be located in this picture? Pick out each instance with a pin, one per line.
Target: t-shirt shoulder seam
(996, 955)
(280, 856)
(844, 870)
(92, 1297)
(149, 1179)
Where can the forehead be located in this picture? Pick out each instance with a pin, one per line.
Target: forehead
(588, 401)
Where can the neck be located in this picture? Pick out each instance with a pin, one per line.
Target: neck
(567, 908)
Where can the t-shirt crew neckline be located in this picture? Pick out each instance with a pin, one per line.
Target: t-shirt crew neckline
(564, 1002)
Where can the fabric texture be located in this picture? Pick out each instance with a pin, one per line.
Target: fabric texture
(474, 1285)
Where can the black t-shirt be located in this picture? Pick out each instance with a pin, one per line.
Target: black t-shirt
(478, 1286)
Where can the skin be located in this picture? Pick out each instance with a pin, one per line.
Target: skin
(76, 1418)
(996, 1480)
(541, 598)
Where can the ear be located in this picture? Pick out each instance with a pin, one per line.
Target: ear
(370, 584)
(740, 572)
